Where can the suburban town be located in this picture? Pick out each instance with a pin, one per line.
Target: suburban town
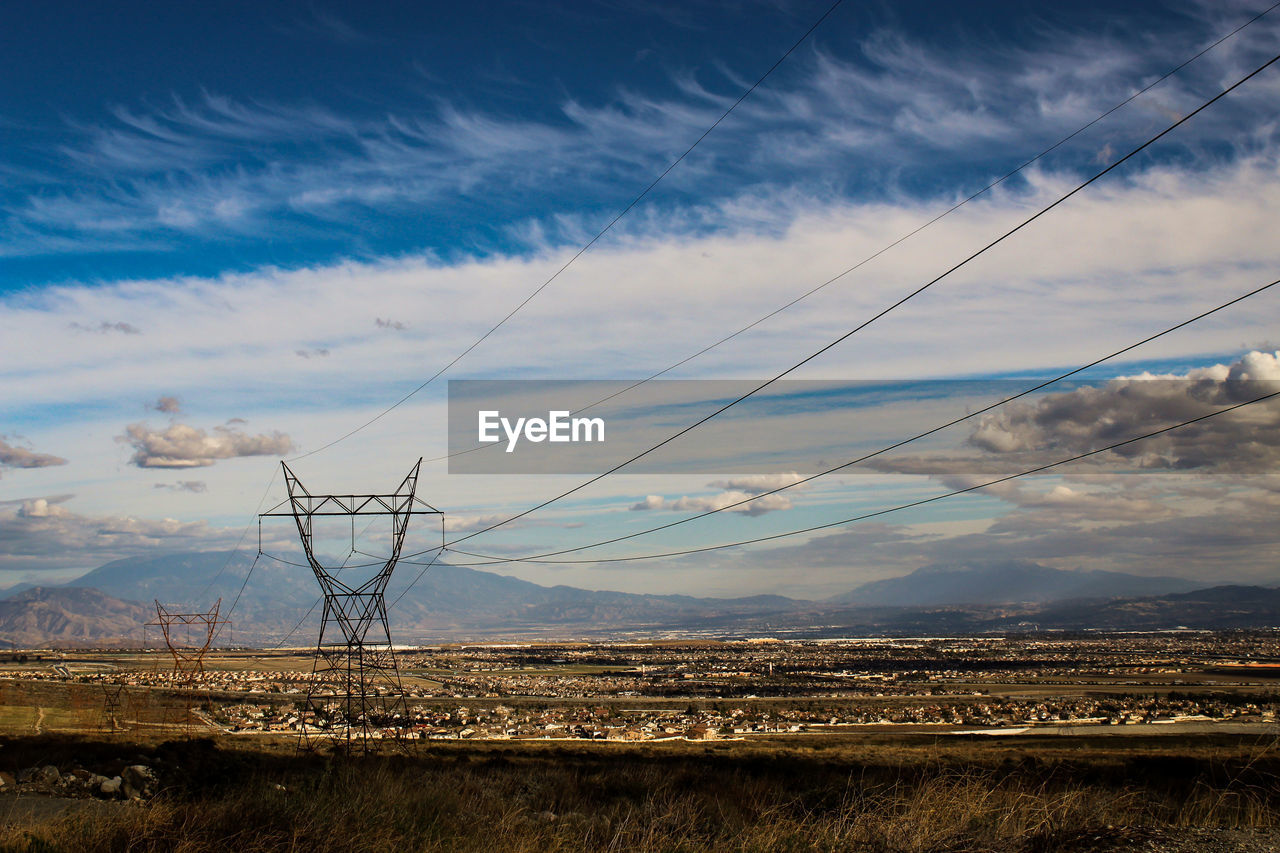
(757, 688)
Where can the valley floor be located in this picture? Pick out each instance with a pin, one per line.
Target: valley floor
(1030, 744)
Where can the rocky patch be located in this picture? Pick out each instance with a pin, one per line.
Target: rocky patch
(135, 782)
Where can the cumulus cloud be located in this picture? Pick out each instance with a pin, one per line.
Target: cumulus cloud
(104, 328)
(735, 490)
(465, 523)
(196, 486)
(1106, 502)
(1110, 522)
(168, 405)
(42, 508)
(21, 457)
(754, 484)
(41, 533)
(712, 502)
(1084, 419)
(1039, 301)
(183, 446)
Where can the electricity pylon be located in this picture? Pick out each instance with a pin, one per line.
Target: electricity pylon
(355, 689)
(112, 716)
(188, 637)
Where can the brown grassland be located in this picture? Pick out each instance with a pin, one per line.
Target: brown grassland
(877, 793)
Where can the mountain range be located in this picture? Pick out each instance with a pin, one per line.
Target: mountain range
(273, 597)
(1006, 582)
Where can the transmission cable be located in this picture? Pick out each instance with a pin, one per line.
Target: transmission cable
(232, 609)
(896, 445)
(295, 628)
(601, 233)
(900, 507)
(240, 541)
(766, 317)
(921, 289)
(425, 568)
(868, 259)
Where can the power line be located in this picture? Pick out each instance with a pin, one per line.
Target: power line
(896, 445)
(295, 628)
(921, 289)
(240, 541)
(676, 162)
(777, 311)
(262, 554)
(426, 567)
(868, 259)
(232, 610)
(346, 564)
(608, 227)
(900, 507)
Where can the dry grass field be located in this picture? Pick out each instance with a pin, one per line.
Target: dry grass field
(889, 793)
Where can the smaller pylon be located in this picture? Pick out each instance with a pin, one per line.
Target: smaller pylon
(112, 699)
(188, 637)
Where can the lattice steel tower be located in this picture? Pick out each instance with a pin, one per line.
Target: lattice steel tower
(112, 702)
(355, 688)
(188, 637)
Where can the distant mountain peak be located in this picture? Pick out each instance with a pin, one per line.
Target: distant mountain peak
(1007, 581)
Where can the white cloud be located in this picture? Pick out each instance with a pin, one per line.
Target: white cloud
(735, 490)
(1145, 248)
(1161, 248)
(196, 486)
(12, 456)
(1081, 420)
(1188, 239)
(467, 522)
(760, 506)
(104, 327)
(183, 446)
(168, 405)
(41, 508)
(755, 484)
(43, 534)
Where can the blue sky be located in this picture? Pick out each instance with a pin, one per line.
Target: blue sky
(145, 142)
(281, 218)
